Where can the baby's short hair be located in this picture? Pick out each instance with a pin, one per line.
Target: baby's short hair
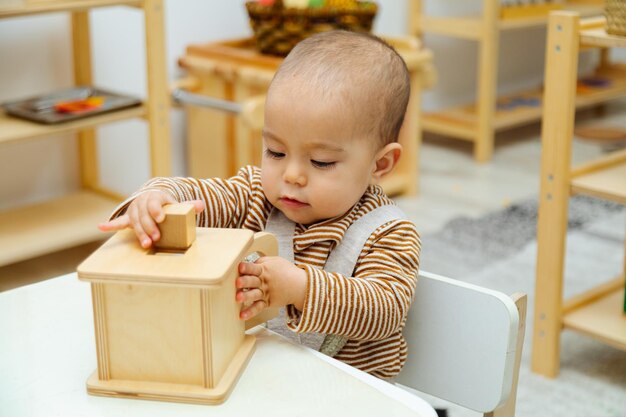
(359, 67)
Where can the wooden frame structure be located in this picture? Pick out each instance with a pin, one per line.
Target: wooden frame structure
(235, 71)
(478, 123)
(32, 231)
(597, 313)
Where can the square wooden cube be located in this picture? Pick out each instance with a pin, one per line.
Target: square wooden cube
(178, 229)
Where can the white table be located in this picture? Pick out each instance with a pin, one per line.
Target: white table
(47, 351)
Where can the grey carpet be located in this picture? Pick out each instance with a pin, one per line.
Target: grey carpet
(498, 251)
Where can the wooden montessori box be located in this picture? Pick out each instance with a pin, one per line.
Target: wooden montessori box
(166, 321)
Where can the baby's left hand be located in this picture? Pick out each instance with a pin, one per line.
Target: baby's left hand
(269, 282)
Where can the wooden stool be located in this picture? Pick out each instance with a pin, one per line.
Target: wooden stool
(166, 321)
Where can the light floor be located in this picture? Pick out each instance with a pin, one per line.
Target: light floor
(451, 185)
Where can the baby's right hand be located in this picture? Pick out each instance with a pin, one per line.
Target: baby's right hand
(143, 214)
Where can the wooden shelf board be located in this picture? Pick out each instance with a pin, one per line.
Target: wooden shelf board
(35, 230)
(462, 122)
(445, 123)
(617, 74)
(13, 128)
(50, 6)
(603, 319)
(465, 121)
(470, 27)
(608, 183)
(523, 22)
(599, 37)
(460, 27)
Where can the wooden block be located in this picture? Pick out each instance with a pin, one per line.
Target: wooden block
(167, 324)
(178, 230)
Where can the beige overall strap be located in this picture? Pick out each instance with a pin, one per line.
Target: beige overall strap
(283, 228)
(342, 260)
(344, 257)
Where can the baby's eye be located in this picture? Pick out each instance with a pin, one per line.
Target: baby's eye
(320, 164)
(274, 155)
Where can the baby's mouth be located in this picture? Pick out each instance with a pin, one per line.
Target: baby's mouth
(292, 202)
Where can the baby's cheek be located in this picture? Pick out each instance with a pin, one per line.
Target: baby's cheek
(270, 190)
(334, 200)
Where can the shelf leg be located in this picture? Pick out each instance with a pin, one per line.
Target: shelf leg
(411, 138)
(605, 62)
(158, 94)
(557, 130)
(414, 25)
(248, 143)
(209, 132)
(81, 50)
(487, 81)
(605, 58)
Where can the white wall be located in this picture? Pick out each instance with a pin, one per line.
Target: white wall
(35, 58)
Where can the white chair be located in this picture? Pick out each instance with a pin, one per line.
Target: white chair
(465, 344)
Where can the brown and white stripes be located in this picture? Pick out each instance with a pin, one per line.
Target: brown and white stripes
(369, 308)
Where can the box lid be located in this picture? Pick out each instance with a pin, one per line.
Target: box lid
(207, 262)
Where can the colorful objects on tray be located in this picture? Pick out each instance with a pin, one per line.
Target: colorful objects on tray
(302, 4)
(69, 104)
(278, 25)
(80, 106)
(517, 101)
(589, 84)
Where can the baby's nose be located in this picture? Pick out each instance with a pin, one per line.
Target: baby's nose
(294, 174)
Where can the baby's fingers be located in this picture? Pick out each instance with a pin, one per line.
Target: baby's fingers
(118, 223)
(134, 217)
(198, 205)
(248, 281)
(154, 203)
(249, 296)
(248, 268)
(252, 311)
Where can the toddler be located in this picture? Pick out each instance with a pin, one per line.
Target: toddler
(348, 260)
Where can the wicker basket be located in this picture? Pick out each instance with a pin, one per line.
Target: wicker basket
(278, 29)
(615, 11)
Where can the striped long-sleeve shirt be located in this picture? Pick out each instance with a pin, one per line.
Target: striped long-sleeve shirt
(369, 308)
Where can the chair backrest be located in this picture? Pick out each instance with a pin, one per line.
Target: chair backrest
(464, 344)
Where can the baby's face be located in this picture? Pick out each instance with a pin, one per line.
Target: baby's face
(316, 165)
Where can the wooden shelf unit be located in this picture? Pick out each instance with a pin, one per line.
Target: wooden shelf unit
(463, 121)
(35, 230)
(598, 312)
(484, 120)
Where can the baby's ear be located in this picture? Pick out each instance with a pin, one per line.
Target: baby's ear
(386, 159)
